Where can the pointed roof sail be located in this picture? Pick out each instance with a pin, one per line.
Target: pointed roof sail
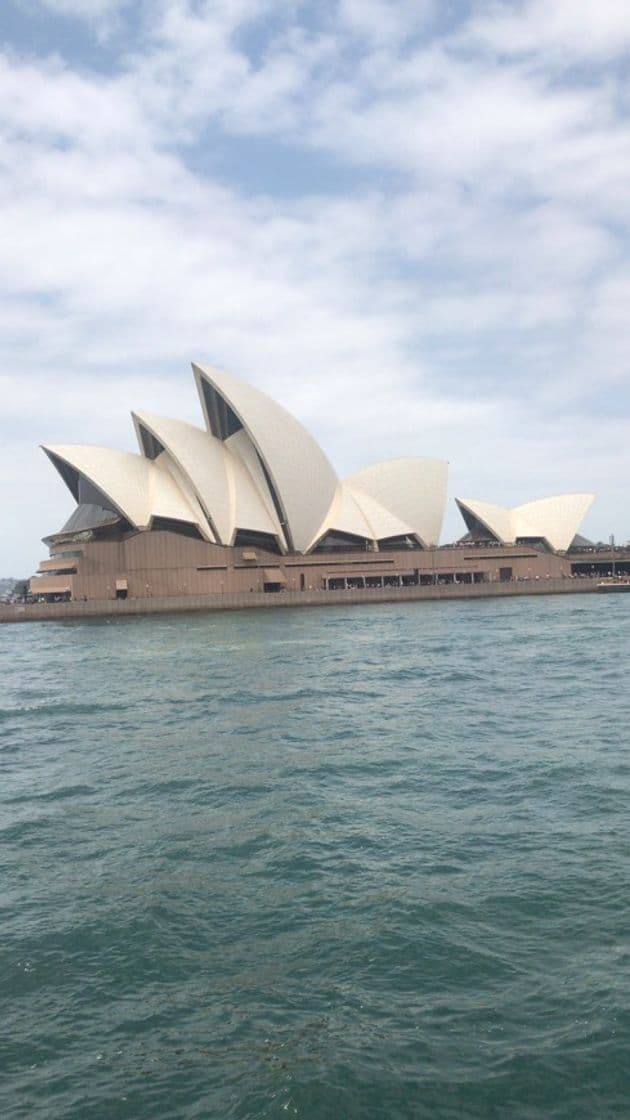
(253, 470)
(200, 458)
(555, 520)
(354, 513)
(219, 477)
(136, 487)
(495, 520)
(414, 490)
(300, 478)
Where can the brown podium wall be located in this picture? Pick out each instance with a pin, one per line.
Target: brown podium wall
(162, 564)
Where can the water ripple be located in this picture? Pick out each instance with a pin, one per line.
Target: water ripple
(368, 863)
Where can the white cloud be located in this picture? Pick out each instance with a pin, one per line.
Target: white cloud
(464, 296)
(83, 9)
(567, 28)
(47, 102)
(379, 22)
(101, 18)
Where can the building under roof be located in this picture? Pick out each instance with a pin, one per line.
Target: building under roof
(248, 502)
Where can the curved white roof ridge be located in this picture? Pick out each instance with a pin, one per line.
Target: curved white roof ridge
(121, 476)
(333, 514)
(247, 469)
(202, 460)
(413, 489)
(496, 519)
(293, 460)
(217, 474)
(344, 516)
(134, 485)
(555, 519)
(167, 472)
(383, 523)
(357, 513)
(249, 511)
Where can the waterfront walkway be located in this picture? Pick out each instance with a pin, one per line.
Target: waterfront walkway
(48, 612)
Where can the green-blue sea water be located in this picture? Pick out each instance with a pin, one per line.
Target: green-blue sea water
(367, 862)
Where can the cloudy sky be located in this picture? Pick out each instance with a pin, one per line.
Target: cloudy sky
(407, 220)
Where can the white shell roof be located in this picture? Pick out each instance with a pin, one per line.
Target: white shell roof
(344, 516)
(254, 507)
(219, 476)
(356, 513)
(249, 510)
(202, 460)
(381, 521)
(496, 519)
(556, 519)
(413, 490)
(303, 479)
(256, 469)
(163, 493)
(136, 487)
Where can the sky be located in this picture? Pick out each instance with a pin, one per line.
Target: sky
(405, 220)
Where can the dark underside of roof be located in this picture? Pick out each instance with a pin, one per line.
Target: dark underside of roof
(89, 516)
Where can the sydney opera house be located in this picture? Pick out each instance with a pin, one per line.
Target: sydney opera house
(250, 503)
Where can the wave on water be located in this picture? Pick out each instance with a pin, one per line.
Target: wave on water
(370, 864)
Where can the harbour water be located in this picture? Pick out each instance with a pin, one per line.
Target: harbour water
(368, 862)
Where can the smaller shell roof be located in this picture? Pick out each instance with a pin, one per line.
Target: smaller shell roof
(135, 486)
(555, 519)
(164, 494)
(356, 513)
(496, 519)
(218, 472)
(381, 521)
(413, 490)
(201, 458)
(253, 504)
(344, 516)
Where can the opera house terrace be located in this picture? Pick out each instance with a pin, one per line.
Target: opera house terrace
(247, 510)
